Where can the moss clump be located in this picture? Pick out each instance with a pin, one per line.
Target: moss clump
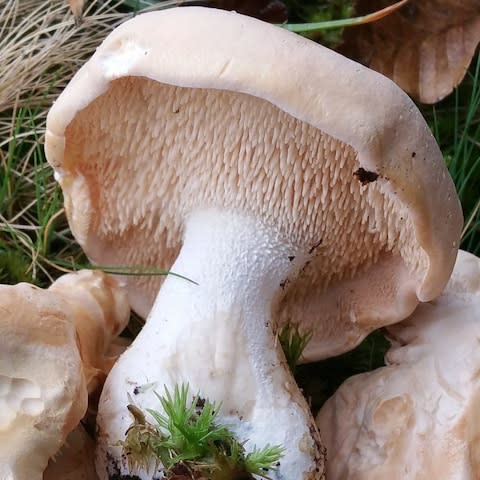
(187, 442)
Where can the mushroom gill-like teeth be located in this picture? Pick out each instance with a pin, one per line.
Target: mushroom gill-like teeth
(52, 345)
(417, 418)
(231, 112)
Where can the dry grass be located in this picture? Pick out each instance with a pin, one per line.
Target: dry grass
(41, 47)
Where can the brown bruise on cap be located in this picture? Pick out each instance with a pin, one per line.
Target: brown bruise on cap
(147, 154)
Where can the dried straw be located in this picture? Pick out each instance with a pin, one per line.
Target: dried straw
(42, 45)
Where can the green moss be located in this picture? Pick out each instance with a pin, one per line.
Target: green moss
(186, 439)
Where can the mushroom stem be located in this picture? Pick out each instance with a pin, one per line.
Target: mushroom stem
(217, 337)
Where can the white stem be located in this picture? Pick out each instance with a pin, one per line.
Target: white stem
(217, 337)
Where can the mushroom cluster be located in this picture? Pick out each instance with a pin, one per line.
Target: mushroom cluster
(289, 183)
(54, 352)
(416, 418)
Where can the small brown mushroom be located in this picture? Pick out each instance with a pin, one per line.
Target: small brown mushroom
(416, 418)
(52, 347)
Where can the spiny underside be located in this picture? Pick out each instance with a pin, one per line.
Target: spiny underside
(153, 152)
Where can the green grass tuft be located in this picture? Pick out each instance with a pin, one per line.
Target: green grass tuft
(259, 461)
(14, 266)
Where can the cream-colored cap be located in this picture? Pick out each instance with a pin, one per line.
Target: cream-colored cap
(197, 108)
(52, 355)
(416, 418)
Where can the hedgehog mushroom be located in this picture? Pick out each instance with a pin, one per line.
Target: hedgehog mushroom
(247, 159)
(46, 364)
(416, 418)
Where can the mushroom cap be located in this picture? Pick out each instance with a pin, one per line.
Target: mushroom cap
(199, 108)
(99, 297)
(53, 346)
(416, 418)
(43, 392)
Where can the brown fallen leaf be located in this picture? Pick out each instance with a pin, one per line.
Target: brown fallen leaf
(425, 47)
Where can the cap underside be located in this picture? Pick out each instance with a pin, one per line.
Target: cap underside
(144, 154)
